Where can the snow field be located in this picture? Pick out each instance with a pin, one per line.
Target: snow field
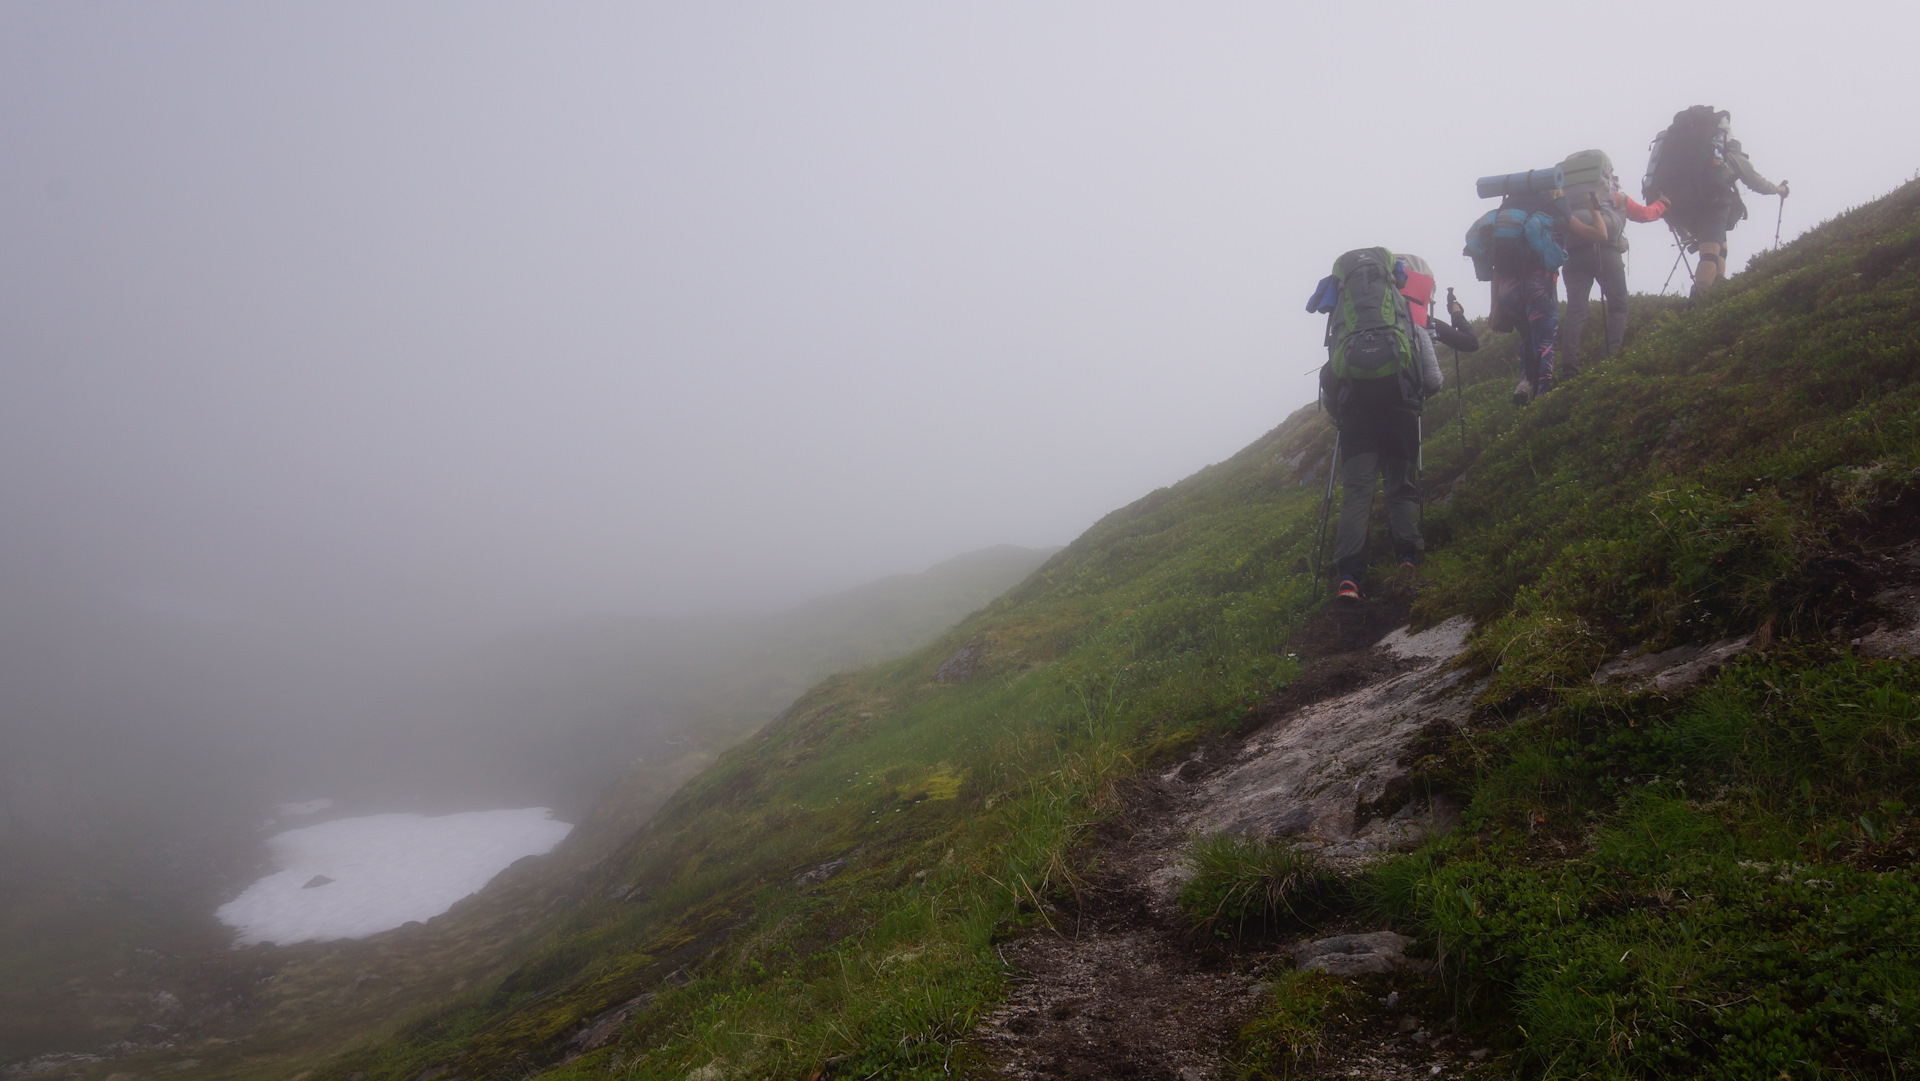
(386, 870)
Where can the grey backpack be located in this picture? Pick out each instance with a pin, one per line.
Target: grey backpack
(1589, 176)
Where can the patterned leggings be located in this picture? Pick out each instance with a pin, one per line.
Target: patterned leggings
(1533, 299)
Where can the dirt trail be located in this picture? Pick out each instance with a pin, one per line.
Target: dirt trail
(1122, 989)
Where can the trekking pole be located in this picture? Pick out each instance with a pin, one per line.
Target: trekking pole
(1459, 390)
(1777, 219)
(1420, 470)
(1326, 507)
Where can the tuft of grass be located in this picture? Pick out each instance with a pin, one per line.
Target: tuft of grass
(1289, 1031)
(1242, 882)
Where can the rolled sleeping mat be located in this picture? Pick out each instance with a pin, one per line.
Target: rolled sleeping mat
(1531, 182)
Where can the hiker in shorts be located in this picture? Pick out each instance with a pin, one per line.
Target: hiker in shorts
(1383, 440)
(1695, 166)
(1596, 245)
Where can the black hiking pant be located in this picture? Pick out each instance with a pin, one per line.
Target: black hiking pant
(1586, 265)
(1386, 444)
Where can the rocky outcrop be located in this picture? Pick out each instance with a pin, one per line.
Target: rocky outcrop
(1673, 669)
(1333, 774)
(1900, 639)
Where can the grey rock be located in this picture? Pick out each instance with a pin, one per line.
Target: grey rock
(960, 667)
(1355, 955)
(601, 1030)
(1314, 774)
(1896, 642)
(629, 891)
(1901, 644)
(1673, 669)
(822, 873)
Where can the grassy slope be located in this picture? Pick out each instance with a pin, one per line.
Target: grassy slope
(1710, 480)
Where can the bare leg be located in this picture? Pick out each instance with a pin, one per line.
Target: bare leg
(1713, 261)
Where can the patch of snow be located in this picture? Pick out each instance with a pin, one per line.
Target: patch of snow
(385, 870)
(312, 806)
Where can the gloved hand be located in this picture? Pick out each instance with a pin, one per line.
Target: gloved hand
(1783, 189)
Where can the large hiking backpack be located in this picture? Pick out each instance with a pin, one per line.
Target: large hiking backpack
(1514, 238)
(1418, 287)
(1589, 179)
(1687, 162)
(1370, 329)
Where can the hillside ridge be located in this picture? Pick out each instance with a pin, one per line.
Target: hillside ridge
(1712, 880)
(1745, 468)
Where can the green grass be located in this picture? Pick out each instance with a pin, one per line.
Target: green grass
(1288, 1033)
(1715, 885)
(1243, 884)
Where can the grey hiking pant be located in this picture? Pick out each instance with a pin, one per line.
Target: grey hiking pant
(1583, 269)
(1356, 508)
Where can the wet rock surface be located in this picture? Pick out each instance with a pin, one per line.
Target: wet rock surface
(1897, 638)
(1673, 669)
(1327, 773)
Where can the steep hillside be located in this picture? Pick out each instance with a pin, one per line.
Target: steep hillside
(1651, 879)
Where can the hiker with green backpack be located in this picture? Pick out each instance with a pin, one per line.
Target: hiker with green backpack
(1596, 244)
(1380, 368)
(1694, 165)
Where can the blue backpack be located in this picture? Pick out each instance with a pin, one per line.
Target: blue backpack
(1509, 239)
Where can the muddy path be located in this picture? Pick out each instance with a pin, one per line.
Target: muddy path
(1118, 988)
(1121, 987)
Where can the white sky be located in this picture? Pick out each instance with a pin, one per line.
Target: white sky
(390, 314)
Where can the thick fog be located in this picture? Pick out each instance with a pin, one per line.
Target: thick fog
(331, 333)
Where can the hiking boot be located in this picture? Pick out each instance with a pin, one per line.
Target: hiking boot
(1408, 566)
(1349, 589)
(1522, 393)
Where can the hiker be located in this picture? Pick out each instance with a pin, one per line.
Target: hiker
(1596, 242)
(1520, 248)
(1694, 165)
(1380, 369)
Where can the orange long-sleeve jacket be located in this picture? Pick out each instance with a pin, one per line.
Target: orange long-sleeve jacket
(1635, 212)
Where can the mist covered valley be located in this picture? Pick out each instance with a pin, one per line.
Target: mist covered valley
(176, 784)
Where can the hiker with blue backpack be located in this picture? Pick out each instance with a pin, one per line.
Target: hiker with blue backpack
(1520, 247)
(1381, 367)
(1694, 164)
(1596, 246)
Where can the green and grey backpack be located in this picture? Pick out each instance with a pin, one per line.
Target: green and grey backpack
(1370, 350)
(1589, 176)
